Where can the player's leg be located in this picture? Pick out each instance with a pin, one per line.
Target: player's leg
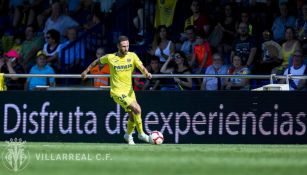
(136, 112)
(130, 124)
(121, 99)
(130, 128)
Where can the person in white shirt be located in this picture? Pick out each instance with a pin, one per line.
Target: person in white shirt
(298, 68)
(162, 47)
(59, 21)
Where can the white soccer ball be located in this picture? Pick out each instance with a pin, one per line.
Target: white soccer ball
(156, 138)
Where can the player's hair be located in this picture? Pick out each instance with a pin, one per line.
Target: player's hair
(122, 38)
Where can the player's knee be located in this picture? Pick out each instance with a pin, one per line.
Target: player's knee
(138, 109)
(131, 117)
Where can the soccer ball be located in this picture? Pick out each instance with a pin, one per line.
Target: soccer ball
(156, 138)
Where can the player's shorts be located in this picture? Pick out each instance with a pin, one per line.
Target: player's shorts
(124, 99)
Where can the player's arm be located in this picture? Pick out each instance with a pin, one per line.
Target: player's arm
(93, 64)
(144, 71)
(102, 60)
(141, 67)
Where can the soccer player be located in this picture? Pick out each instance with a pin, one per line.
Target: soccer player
(122, 64)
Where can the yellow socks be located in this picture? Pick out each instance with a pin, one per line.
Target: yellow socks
(138, 123)
(130, 127)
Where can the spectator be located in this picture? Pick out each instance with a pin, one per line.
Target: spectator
(100, 69)
(301, 24)
(45, 12)
(11, 42)
(95, 19)
(106, 5)
(281, 22)
(245, 19)
(4, 15)
(154, 68)
(217, 68)
(162, 46)
(181, 67)
(97, 23)
(9, 64)
(270, 55)
(41, 67)
(17, 43)
(263, 15)
(30, 47)
(237, 69)
(288, 48)
(24, 15)
(298, 68)
(52, 49)
(84, 11)
(228, 28)
(73, 6)
(299, 8)
(74, 55)
(138, 20)
(144, 18)
(188, 45)
(58, 21)
(244, 46)
(198, 20)
(202, 55)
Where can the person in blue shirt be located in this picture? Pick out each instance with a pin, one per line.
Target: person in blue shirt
(41, 67)
(281, 22)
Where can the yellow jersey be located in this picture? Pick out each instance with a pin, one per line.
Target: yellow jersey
(121, 69)
(165, 10)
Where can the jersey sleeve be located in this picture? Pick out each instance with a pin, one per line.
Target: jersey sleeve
(137, 62)
(104, 59)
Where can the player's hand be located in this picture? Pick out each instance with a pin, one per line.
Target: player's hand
(83, 74)
(148, 75)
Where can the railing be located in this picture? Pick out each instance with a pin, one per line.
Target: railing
(271, 77)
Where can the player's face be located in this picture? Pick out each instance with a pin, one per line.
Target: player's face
(123, 47)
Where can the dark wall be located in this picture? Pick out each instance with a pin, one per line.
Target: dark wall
(183, 117)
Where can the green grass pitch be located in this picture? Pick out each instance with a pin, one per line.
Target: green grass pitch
(173, 159)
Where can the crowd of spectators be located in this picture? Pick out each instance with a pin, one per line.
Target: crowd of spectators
(255, 37)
